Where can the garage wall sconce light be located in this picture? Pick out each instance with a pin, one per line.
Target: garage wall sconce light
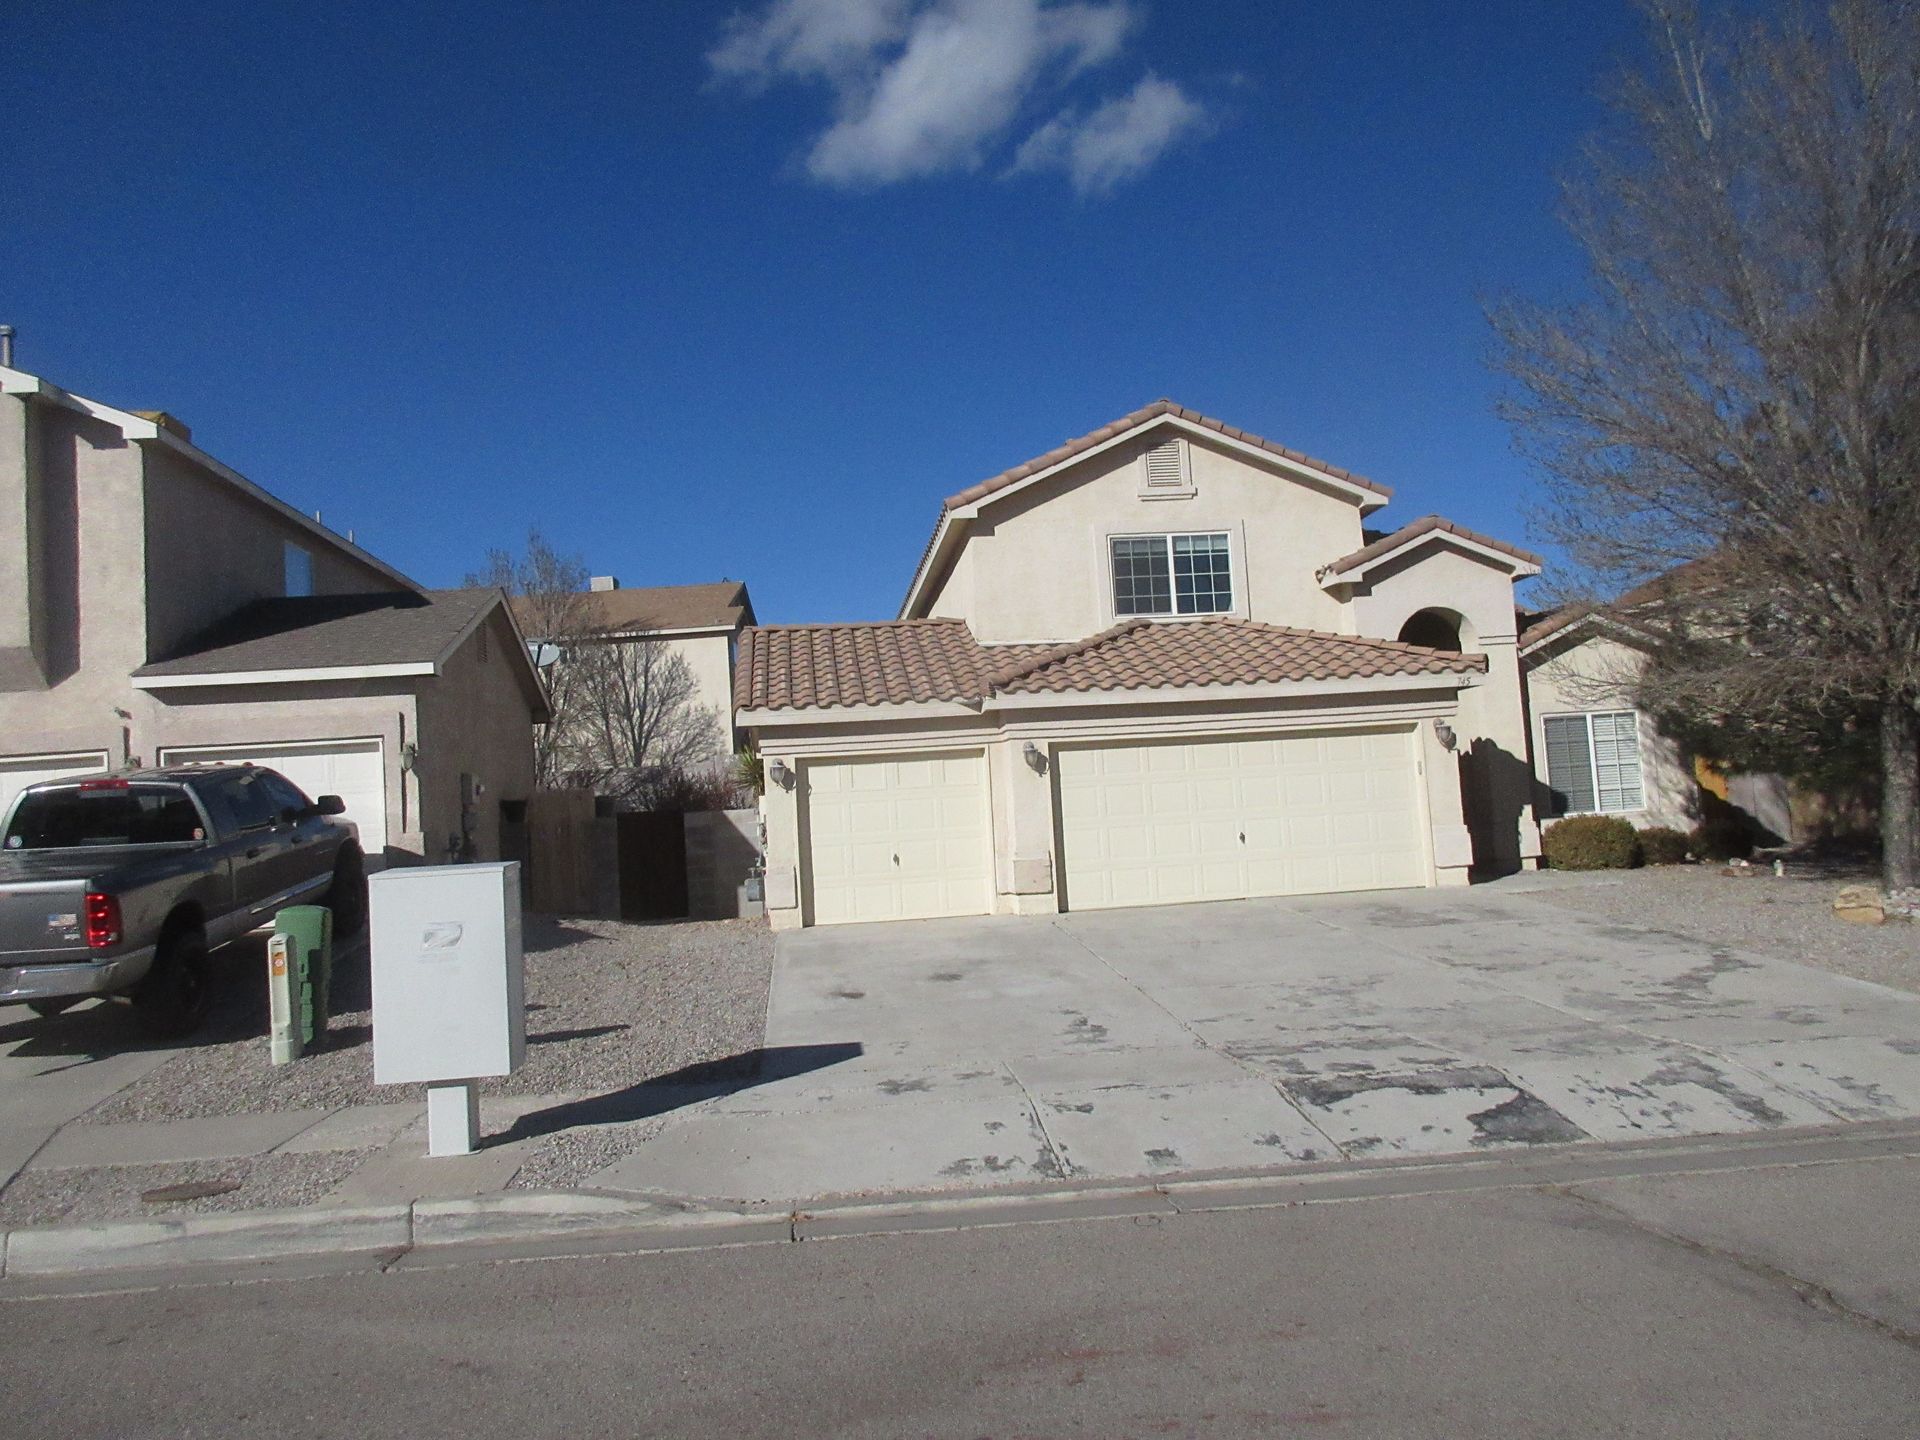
(781, 774)
(1035, 757)
(1444, 733)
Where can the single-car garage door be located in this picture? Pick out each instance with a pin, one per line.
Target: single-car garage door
(17, 772)
(1227, 819)
(902, 839)
(352, 769)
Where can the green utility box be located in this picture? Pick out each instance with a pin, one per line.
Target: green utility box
(299, 979)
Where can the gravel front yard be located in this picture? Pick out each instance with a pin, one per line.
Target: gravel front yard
(1790, 916)
(610, 1005)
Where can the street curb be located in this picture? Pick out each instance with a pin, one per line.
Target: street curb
(206, 1239)
(532, 1223)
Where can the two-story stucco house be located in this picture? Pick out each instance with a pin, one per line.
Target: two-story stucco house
(699, 623)
(157, 607)
(1166, 661)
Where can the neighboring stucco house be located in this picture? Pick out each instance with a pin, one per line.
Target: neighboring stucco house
(699, 623)
(1595, 752)
(1164, 662)
(156, 607)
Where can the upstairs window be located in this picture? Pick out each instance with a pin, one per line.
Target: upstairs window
(299, 570)
(1172, 575)
(1593, 762)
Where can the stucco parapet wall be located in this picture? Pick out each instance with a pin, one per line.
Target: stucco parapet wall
(889, 664)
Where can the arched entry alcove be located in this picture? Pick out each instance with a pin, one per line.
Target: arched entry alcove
(1437, 629)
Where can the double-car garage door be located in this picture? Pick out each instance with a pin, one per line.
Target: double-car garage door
(1230, 819)
(1139, 824)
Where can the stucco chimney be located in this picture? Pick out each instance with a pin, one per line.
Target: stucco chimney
(604, 582)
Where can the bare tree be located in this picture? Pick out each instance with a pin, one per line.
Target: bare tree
(638, 728)
(1734, 405)
(550, 602)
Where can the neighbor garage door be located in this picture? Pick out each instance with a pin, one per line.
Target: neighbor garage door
(1226, 819)
(352, 769)
(897, 839)
(17, 772)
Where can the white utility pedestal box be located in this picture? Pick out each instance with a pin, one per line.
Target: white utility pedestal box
(448, 987)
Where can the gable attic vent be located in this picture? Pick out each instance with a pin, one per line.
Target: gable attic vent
(1167, 467)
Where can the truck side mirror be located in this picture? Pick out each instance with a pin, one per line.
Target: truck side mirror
(329, 805)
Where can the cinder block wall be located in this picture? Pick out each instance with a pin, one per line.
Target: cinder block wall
(723, 847)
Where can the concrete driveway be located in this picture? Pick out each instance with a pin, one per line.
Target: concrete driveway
(1118, 1044)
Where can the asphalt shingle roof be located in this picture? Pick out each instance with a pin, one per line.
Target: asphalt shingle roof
(659, 607)
(314, 632)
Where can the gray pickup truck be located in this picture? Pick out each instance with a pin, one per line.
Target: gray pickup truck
(121, 884)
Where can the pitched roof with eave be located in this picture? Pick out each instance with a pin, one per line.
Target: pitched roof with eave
(1144, 655)
(712, 604)
(1425, 525)
(321, 632)
(1140, 417)
(805, 667)
(891, 662)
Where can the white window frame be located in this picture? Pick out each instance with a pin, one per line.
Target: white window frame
(1167, 537)
(1593, 764)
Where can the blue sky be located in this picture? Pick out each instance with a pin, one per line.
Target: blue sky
(709, 291)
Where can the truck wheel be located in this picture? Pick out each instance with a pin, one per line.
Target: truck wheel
(348, 896)
(47, 1009)
(174, 998)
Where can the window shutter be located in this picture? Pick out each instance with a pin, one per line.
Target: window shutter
(1569, 764)
(1167, 466)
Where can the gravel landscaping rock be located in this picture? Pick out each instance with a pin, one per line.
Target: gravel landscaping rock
(1789, 916)
(610, 1006)
(72, 1197)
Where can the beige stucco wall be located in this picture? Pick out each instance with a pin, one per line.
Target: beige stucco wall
(473, 720)
(1022, 801)
(1493, 739)
(211, 548)
(1035, 564)
(710, 657)
(1596, 673)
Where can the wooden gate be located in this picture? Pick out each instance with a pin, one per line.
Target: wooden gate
(653, 867)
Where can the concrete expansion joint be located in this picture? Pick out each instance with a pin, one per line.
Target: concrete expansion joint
(1821, 1299)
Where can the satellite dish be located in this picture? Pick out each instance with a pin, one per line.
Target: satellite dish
(545, 654)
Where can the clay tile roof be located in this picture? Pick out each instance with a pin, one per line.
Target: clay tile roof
(891, 662)
(1140, 417)
(1143, 655)
(1539, 627)
(1425, 525)
(803, 667)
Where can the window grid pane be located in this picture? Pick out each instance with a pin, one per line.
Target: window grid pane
(1570, 763)
(1141, 584)
(1616, 760)
(1202, 574)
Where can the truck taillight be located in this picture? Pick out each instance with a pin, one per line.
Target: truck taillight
(103, 921)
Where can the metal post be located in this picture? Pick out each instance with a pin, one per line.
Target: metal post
(453, 1117)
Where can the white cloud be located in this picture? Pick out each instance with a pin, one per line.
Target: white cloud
(925, 87)
(1118, 141)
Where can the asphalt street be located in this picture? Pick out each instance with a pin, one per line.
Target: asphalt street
(1762, 1302)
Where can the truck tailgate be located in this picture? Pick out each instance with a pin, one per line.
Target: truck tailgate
(42, 920)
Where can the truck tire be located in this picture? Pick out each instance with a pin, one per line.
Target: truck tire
(173, 999)
(347, 897)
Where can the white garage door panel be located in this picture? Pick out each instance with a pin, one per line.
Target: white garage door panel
(1154, 824)
(355, 770)
(898, 839)
(17, 772)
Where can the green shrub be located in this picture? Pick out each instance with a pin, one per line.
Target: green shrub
(1661, 845)
(1723, 837)
(1591, 842)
